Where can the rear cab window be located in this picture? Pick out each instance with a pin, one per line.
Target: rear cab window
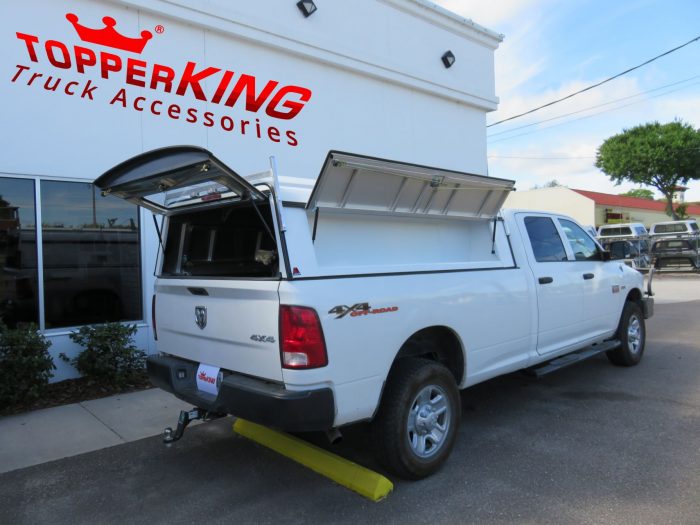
(672, 245)
(615, 231)
(671, 228)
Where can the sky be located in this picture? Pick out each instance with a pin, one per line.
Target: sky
(552, 48)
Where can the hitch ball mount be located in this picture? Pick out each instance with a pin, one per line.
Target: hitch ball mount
(186, 417)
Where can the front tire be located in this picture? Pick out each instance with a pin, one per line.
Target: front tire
(632, 335)
(418, 418)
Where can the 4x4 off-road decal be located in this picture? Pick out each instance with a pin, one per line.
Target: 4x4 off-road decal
(262, 338)
(359, 309)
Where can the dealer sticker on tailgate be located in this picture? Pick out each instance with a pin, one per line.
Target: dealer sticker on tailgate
(208, 379)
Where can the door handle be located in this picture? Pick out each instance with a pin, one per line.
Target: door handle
(588, 276)
(545, 280)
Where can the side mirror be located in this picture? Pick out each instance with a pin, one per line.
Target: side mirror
(605, 255)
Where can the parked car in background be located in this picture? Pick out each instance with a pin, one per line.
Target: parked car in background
(674, 228)
(628, 242)
(630, 229)
(676, 253)
(675, 244)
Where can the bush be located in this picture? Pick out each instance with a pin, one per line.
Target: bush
(25, 364)
(110, 356)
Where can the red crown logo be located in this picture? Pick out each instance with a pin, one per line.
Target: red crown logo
(109, 36)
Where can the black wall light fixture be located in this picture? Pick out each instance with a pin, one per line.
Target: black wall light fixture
(448, 59)
(307, 7)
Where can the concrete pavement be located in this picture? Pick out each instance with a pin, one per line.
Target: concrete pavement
(593, 443)
(54, 433)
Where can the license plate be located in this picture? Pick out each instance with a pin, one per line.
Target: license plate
(208, 379)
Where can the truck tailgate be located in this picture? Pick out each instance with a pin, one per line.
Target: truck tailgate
(237, 328)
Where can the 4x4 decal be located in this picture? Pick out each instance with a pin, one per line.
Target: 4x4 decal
(262, 338)
(359, 309)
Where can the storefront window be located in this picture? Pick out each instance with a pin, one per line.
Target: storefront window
(19, 301)
(91, 256)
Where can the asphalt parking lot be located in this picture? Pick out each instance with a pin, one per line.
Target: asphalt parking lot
(592, 443)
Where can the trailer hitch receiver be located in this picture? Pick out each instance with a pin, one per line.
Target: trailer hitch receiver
(186, 417)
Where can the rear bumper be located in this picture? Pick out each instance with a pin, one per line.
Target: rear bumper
(245, 397)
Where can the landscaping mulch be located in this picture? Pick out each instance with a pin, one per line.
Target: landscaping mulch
(75, 391)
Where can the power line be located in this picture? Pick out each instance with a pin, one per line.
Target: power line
(593, 114)
(525, 157)
(597, 84)
(594, 107)
(554, 157)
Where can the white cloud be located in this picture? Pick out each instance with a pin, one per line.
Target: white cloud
(574, 144)
(525, 54)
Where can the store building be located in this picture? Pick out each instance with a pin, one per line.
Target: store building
(89, 84)
(594, 208)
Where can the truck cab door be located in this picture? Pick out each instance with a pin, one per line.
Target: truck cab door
(600, 279)
(559, 285)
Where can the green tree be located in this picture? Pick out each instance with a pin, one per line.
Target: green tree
(640, 193)
(662, 156)
(554, 183)
(682, 211)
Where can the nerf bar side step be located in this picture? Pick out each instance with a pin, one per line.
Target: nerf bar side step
(570, 359)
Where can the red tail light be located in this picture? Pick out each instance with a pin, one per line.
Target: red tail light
(153, 317)
(301, 338)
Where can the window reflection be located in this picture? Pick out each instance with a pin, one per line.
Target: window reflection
(18, 263)
(91, 256)
(582, 245)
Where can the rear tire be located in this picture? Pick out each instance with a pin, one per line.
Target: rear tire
(632, 335)
(418, 418)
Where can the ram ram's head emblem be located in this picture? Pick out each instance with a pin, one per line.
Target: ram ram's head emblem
(200, 316)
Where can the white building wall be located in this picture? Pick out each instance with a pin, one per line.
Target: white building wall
(556, 200)
(378, 87)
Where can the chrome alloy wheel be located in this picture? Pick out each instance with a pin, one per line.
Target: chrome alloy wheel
(634, 334)
(428, 421)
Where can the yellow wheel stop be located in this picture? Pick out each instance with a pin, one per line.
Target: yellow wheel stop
(365, 482)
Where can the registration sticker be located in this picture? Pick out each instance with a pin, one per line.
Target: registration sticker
(208, 379)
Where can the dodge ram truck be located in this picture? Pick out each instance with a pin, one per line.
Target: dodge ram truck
(375, 295)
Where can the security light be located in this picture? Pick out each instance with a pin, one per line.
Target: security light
(307, 7)
(448, 59)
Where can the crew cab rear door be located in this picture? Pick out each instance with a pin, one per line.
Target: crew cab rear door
(558, 283)
(168, 180)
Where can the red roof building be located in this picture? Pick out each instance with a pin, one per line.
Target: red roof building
(622, 201)
(595, 208)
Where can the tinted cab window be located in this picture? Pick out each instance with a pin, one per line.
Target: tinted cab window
(545, 240)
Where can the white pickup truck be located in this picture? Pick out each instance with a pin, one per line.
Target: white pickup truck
(375, 297)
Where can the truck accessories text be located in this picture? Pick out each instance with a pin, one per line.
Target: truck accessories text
(239, 91)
